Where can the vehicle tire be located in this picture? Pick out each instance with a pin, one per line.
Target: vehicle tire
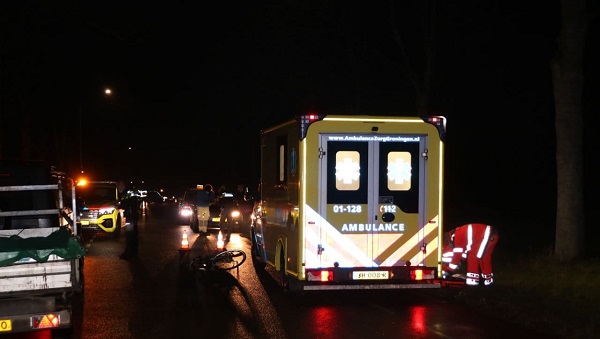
(257, 261)
(283, 278)
(194, 225)
(76, 329)
(64, 333)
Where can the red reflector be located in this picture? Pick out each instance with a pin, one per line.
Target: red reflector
(49, 320)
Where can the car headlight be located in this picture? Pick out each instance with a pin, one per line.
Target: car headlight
(186, 212)
(235, 214)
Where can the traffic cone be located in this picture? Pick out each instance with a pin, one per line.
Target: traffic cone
(185, 244)
(220, 242)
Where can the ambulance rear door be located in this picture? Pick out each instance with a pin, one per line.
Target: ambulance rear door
(372, 203)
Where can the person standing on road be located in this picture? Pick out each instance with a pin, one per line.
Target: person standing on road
(475, 243)
(245, 205)
(238, 194)
(205, 198)
(221, 192)
(131, 211)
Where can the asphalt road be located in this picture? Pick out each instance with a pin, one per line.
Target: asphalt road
(157, 296)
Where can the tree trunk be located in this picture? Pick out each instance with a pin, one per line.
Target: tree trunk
(567, 73)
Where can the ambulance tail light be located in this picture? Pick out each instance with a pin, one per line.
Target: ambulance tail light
(319, 275)
(440, 123)
(305, 120)
(422, 274)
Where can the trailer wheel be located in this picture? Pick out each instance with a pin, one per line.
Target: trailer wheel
(76, 302)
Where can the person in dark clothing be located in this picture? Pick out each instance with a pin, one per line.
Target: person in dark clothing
(245, 204)
(206, 198)
(131, 211)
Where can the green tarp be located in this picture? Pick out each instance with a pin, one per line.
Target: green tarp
(60, 242)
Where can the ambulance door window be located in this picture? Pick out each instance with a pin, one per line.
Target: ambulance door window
(399, 164)
(347, 172)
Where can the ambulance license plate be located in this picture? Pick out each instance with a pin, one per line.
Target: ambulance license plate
(5, 325)
(370, 275)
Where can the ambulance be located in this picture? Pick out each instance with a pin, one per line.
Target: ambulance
(351, 202)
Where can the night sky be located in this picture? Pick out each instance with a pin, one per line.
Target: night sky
(195, 82)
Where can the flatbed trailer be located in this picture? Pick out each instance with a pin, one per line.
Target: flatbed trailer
(41, 254)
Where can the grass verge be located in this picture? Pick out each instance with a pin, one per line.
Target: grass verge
(537, 292)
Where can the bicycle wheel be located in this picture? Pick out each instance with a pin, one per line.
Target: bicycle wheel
(229, 259)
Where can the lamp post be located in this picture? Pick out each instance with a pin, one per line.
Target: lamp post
(80, 141)
(107, 92)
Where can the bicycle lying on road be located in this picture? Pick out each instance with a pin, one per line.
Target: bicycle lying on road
(213, 281)
(225, 305)
(222, 261)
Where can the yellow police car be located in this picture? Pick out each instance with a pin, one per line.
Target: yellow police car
(98, 207)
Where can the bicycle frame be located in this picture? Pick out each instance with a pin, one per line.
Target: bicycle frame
(222, 261)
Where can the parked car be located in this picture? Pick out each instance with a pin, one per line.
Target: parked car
(159, 204)
(230, 216)
(98, 207)
(188, 210)
(155, 199)
(187, 205)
